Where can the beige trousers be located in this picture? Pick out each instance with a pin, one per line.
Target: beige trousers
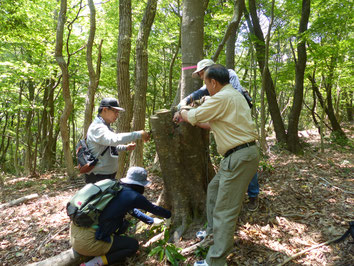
(225, 195)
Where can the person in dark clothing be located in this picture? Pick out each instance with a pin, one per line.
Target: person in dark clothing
(105, 241)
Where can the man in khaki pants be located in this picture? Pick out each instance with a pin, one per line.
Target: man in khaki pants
(228, 115)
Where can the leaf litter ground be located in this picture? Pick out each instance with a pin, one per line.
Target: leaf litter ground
(305, 200)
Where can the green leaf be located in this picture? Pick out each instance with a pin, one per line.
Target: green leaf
(155, 251)
(170, 258)
(162, 253)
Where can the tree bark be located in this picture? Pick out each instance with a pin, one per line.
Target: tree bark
(185, 167)
(65, 258)
(123, 78)
(93, 75)
(64, 127)
(141, 80)
(332, 118)
(19, 200)
(264, 73)
(17, 138)
(48, 154)
(300, 65)
(29, 137)
(231, 32)
(183, 149)
(330, 109)
(256, 31)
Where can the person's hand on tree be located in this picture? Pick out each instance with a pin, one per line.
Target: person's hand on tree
(177, 118)
(131, 146)
(145, 136)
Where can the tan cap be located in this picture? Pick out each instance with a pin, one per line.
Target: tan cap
(202, 65)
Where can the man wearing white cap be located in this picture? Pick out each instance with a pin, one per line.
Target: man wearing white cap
(227, 114)
(202, 66)
(100, 136)
(198, 94)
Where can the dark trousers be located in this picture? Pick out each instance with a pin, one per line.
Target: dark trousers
(92, 178)
(122, 247)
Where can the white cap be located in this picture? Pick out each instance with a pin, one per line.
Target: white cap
(202, 65)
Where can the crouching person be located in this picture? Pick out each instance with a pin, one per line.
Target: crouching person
(106, 242)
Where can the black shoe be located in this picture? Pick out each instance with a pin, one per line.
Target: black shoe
(253, 204)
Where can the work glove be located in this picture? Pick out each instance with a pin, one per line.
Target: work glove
(158, 221)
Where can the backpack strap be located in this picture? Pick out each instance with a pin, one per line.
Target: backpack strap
(105, 150)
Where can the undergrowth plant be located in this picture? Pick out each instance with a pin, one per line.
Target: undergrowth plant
(167, 251)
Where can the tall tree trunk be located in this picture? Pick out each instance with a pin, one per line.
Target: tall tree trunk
(17, 138)
(300, 65)
(93, 75)
(123, 85)
(264, 73)
(183, 149)
(256, 31)
(231, 30)
(328, 86)
(332, 118)
(48, 139)
(29, 136)
(348, 96)
(141, 80)
(64, 127)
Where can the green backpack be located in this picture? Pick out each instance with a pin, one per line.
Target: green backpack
(85, 207)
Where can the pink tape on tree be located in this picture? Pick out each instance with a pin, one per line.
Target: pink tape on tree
(189, 67)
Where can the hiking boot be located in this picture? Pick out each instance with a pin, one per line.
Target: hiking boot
(253, 204)
(201, 235)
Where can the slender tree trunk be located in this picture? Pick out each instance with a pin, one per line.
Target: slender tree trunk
(141, 73)
(2, 144)
(264, 73)
(170, 70)
(348, 96)
(330, 109)
(123, 78)
(29, 136)
(93, 75)
(48, 139)
(332, 118)
(256, 31)
(231, 30)
(64, 128)
(300, 65)
(17, 139)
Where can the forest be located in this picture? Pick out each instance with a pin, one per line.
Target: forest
(295, 59)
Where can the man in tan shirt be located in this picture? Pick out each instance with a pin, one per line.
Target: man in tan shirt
(227, 114)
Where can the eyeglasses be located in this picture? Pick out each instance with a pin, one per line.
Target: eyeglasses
(114, 110)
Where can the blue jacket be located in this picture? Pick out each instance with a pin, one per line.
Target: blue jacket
(127, 200)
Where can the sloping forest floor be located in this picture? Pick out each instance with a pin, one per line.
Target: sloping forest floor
(305, 200)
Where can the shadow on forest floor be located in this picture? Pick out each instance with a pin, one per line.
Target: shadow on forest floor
(304, 201)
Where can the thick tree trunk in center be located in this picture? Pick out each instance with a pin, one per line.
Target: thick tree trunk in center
(183, 149)
(185, 167)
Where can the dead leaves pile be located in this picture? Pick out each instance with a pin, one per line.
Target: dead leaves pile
(304, 201)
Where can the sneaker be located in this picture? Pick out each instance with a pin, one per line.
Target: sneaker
(253, 204)
(201, 235)
(201, 263)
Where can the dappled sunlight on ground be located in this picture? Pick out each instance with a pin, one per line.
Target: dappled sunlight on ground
(305, 200)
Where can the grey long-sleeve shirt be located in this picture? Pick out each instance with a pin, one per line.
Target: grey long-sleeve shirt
(99, 136)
